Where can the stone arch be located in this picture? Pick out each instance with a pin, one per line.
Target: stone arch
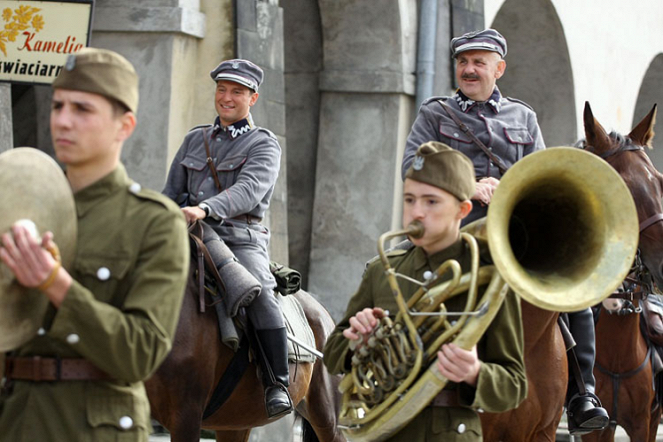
(651, 92)
(539, 67)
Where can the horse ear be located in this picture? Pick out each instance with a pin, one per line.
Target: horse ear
(643, 133)
(595, 135)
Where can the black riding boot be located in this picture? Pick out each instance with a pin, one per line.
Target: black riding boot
(584, 411)
(275, 376)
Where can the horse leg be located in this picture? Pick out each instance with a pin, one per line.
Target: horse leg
(232, 436)
(323, 400)
(654, 422)
(322, 405)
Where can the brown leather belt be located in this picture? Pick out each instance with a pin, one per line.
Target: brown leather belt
(446, 398)
(248, 219)
(38, 369)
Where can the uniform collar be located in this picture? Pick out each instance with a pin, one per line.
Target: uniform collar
(95, 193)
(422, 260)
(465, 103)
(235, 130)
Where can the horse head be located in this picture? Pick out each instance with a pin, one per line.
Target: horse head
(626, 154)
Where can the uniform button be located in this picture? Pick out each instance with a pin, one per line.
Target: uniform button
(126, 422)
(456, 134)
(41, 331)
(201, 193)
(490, 148)
(461, 428)
(479, 410)
(73, 338)
(428, 274)
(191, 164)
(103, 273)
(231, 166)
(209, 178)
(134, 188)
(218, 139)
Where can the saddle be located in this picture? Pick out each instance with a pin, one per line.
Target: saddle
(229, 286)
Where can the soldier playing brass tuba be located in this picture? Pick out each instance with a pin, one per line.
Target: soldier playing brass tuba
(434, 333)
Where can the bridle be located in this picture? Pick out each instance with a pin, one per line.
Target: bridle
(642, 276)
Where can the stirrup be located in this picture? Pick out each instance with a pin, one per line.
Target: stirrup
(281, 409)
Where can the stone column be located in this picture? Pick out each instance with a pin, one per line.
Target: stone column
(260, 39)
(365, 115)
(6, 132)
(161, 38)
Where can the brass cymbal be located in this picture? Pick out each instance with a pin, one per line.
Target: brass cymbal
(33, 188)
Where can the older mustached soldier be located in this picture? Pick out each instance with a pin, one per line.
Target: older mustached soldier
(490, 376)
(495, 132)
(231, 194)
(113, 314)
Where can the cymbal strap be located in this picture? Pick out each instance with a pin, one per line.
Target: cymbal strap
(51, 278)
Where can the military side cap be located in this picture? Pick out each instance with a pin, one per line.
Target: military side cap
(240, 71)
(441, 166)
(486, 40)
(103, 72)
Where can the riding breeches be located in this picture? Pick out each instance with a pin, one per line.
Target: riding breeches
(249, 244)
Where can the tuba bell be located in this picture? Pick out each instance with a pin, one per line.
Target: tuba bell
(559, 240)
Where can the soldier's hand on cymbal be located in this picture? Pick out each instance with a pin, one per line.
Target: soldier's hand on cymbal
(27, 256)
(459, 365)
(363, 323)
(484, 189)
(193, 213)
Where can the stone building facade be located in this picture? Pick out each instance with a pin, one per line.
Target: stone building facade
(341, 78)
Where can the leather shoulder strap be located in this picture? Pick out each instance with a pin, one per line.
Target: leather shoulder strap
(494, 158)
(210, 162)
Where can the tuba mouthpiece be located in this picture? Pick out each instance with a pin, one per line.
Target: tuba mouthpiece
(415, 229)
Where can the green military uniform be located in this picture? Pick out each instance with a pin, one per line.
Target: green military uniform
(120, 314)
(502, 382)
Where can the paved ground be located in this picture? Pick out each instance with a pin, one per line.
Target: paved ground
(261, 435)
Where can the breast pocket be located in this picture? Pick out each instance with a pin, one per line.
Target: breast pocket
(229, 168)
(457, 139)
(195, 171)
(102, 275)
(519, 138)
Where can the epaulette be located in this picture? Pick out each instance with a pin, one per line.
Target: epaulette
(200, 126)
(150, 195)
(515, 100)
(431, 99)
(399, 249)
(267, 131)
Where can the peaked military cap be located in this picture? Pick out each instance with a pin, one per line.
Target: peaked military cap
(103, 72)
(486, 40)
(240, 71)
(441, 166)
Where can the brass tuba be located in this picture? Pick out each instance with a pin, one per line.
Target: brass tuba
(562, 231)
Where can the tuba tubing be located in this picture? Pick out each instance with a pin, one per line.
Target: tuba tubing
(559, 242)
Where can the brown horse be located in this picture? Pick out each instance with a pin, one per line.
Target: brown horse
(622, 366)
(537, 418)
(180, 390)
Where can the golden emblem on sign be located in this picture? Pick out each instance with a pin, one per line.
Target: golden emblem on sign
(20, 19)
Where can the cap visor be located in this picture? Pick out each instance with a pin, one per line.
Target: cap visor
(237, 79)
